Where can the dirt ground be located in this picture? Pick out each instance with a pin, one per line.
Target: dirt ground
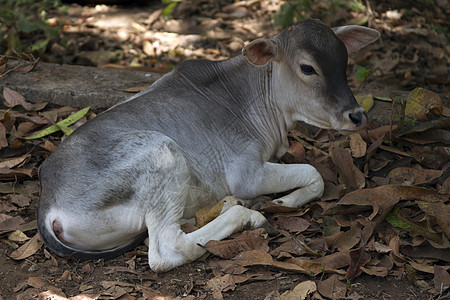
(411, 53)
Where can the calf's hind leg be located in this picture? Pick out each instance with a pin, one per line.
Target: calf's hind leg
(169, 246)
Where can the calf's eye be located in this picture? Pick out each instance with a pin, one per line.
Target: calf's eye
(308, 70)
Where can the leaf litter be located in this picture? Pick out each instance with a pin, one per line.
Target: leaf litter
(398, 226)
(385, 211)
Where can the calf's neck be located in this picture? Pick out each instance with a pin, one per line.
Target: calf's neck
(206, 132)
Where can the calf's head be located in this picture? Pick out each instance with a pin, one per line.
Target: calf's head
(309, 72)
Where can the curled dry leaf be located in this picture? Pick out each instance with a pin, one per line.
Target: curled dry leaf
(441, 279)
(18, 236)
(13, 98)
(357, 145)
(207, 214)
(13, 162)
(292, 224)
(313, 268)
(28, 249)
(332, 287)
(225, 283)
(413, 176)
(8, 223)
(300, 292)
(3, 140)
(384, 197)
(350, 174)
(348, 239)
(359, 258)
(248, 240)
(440, 211)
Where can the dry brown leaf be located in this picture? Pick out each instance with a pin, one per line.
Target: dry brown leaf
(3, 140)
(248, 240)
(298, 152)
(381, 248)
(88, 269)
(350, 174)
(28, 249)
(440, 211)
(348, 239)
(6, 207)
(381, 131)
(20, 200)
(357, 145)
(413, 176)
(24, 128)
(18, 236)
(8, 223)
(359, 258)
(300, 292)
(16, 173)
(429, 137)
(37, 282)
(49, 146)
(207, 214)
(441, 279)
(312, 267)
(446, 112)
(188, 227)
(379, 266)
(219, 267)
(13, 98)
(384, 197)
(292, 224)
(225, 283)
(293, 247)
(259, 258)
(332, 287)
(108, 283)
(425, 266)
(13, 162)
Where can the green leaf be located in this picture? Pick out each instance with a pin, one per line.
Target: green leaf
(64, 8)
(383, 99)
(62, 125)
(285, 16)
(167, 12)
(41, 44)
(396, 219)
(362, 73)
(26, 25)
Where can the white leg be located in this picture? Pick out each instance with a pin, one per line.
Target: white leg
(232, 220)
(170, 247)
(276, 178)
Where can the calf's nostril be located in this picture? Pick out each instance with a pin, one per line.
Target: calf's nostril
(356, 118)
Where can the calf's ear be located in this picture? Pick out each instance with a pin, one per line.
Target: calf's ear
(356, 37)
(260, 51)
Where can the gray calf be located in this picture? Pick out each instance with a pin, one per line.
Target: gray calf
(203, 132)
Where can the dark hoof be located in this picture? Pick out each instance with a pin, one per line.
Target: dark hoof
(270, 230)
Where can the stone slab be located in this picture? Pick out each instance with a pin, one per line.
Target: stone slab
(76, 86)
